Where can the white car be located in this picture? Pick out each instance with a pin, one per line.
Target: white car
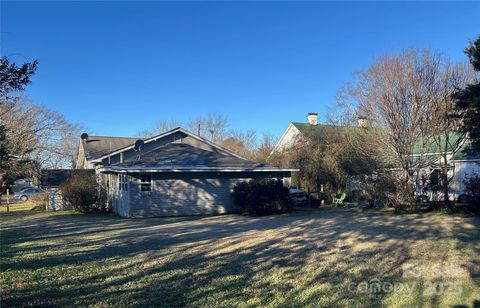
(297, 195)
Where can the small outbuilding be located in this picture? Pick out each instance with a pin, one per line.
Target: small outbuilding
(50, 181)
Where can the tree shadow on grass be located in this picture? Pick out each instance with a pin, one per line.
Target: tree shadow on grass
(309, 258)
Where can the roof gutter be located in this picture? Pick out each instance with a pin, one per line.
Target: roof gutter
(206, 169)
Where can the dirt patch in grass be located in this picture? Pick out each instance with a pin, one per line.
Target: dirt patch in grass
(317, 258)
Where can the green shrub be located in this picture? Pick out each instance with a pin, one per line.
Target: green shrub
(83, 193)
(262, 197)
(472, 186)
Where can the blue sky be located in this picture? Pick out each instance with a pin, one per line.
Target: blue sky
(119, 67)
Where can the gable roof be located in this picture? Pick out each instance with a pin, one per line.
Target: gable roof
(303, 127)
(56, 177)
(458, 144)
(184, 156)
(178, 157)
(162, 135)
(421, 146)
(430, 146)
(99, 146)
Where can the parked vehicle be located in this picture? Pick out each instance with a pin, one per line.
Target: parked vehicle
(27, 193)
(22, 184)
(297, 195)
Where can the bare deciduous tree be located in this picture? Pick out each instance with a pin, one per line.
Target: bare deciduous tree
(396, 92)
(408, 97)
(212, 127)
(265, 148)
(242, 143)
(37, 138)
(444, 127)
(160, 127)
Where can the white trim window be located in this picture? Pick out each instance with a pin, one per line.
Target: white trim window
(145, 182)
(122, 182)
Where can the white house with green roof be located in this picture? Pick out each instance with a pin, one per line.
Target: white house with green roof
(295, 129)
(461, 163)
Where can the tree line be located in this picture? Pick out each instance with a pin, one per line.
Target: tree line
(32, 137)
(415, 102)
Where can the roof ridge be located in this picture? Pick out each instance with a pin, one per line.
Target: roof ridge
(323, 124)
(116, 137)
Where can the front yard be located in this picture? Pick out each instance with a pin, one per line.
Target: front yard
(319, 258)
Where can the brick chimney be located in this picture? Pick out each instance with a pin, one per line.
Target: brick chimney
(362, 122)
(312, 118)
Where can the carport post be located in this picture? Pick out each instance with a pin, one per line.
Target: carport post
(8, 200)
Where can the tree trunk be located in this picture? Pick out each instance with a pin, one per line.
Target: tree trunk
(1, 187)
(309, 196)
(446, 198)
(410, 192)
(445, 183)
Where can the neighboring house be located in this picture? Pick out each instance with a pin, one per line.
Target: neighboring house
(50, 180)
(461, 164)
(294, 130)
(174, 173)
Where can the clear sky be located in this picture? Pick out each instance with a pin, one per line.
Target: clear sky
(119, 67)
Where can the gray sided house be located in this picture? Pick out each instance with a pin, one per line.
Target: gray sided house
(174, 173)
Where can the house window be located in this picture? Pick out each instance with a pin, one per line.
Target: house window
(145, 182)
(122, 182)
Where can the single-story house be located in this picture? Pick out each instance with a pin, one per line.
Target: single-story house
(173, 173)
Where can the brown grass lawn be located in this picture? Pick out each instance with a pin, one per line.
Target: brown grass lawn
(318, 258)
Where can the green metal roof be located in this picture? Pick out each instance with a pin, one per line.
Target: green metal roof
(421, 146)
(431, 145)
(305, 127)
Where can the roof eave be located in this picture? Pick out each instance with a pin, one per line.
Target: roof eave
(205, 169)
(281, 140)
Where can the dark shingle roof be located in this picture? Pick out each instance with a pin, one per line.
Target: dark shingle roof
(98, 146)
(56, 177)
(183, 156)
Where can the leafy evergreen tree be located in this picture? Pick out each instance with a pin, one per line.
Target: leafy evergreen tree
(468, 100)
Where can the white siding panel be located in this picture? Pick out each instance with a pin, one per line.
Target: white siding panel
(55, 200)
(463, 169)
